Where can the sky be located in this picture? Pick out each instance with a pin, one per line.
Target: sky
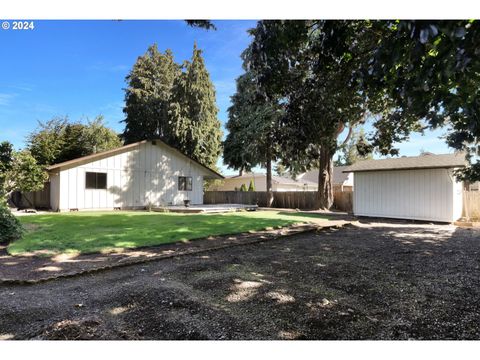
(78, 68)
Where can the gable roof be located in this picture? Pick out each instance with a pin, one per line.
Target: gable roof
(276, 179)
(424, 161)
(339, 176)
(104, 154)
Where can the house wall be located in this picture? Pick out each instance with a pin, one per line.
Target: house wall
(55, 191)
(230, 184)
(142, 175)
(349, 181)
(292, 187)
(424, 194)
(457, 197)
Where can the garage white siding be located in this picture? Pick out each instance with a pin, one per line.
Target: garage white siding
(421, 194)
(139, 176)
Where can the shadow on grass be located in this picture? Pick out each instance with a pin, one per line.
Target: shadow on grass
(88, 232)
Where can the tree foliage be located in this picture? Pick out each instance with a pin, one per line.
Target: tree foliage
(405, 75)
(193, 124)
(59, 140)
(204, 24)
(426, 74)
(349, 151)
(10, 227)
(252, 124)
(6, 163)
(251, 186)
(175, 103)
(251, 127)
(24, 174)
(311, 66)
(148, 96)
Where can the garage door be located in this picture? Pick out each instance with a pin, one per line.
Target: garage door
(424, 194)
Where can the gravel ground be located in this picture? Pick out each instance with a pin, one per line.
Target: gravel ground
(369, 281)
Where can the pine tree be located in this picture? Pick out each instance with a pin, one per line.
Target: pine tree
(194, 126)
(147, 96)
(252, 125)
(251, 187)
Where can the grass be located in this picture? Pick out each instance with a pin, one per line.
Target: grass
(87, 232)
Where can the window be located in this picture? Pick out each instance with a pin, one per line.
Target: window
(185, 183)
(94, 180)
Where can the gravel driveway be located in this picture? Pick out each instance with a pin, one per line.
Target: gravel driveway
(369, 281)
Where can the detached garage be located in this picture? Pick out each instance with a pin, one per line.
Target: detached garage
(420, 188)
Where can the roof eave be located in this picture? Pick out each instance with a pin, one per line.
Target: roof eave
(406, 168)
(104, 154)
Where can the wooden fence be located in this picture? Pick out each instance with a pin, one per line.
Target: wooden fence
(36, 199)
(305, 200)
(471, 204)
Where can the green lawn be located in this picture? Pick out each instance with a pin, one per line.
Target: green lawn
(85, 232)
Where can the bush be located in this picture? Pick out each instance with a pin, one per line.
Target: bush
(10, 227)
(243, 187)
(251, 187)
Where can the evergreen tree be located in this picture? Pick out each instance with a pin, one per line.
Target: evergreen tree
(251, 187)
(147, 96)
(194, 126)
(253, 126)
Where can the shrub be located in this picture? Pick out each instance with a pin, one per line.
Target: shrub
(243, 187)
(10, 227)
(251, 187)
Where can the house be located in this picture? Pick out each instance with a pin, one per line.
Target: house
(419, 187)
(279, 183)
(342, 181)
(132, 176)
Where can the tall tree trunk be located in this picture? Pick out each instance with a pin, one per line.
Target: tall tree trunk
(325, 177)
(269, 182)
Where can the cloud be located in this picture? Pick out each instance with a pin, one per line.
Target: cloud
(5, 98)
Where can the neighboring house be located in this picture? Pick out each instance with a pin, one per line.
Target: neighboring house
(342, 181)
(420, 187)
(132, 176)
(232, 183)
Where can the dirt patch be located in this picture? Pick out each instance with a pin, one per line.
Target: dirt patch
(371, 281)
(42, 265)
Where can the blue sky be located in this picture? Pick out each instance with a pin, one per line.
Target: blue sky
(77, 68)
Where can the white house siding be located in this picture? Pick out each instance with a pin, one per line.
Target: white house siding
(139, 176)
(54, 191)
(423, 194)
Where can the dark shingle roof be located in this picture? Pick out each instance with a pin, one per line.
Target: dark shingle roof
(426, 161)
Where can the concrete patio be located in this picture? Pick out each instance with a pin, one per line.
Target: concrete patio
(216, 208)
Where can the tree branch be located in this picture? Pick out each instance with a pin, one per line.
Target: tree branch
(349, 135)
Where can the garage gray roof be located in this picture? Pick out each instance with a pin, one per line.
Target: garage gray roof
(424, 161)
